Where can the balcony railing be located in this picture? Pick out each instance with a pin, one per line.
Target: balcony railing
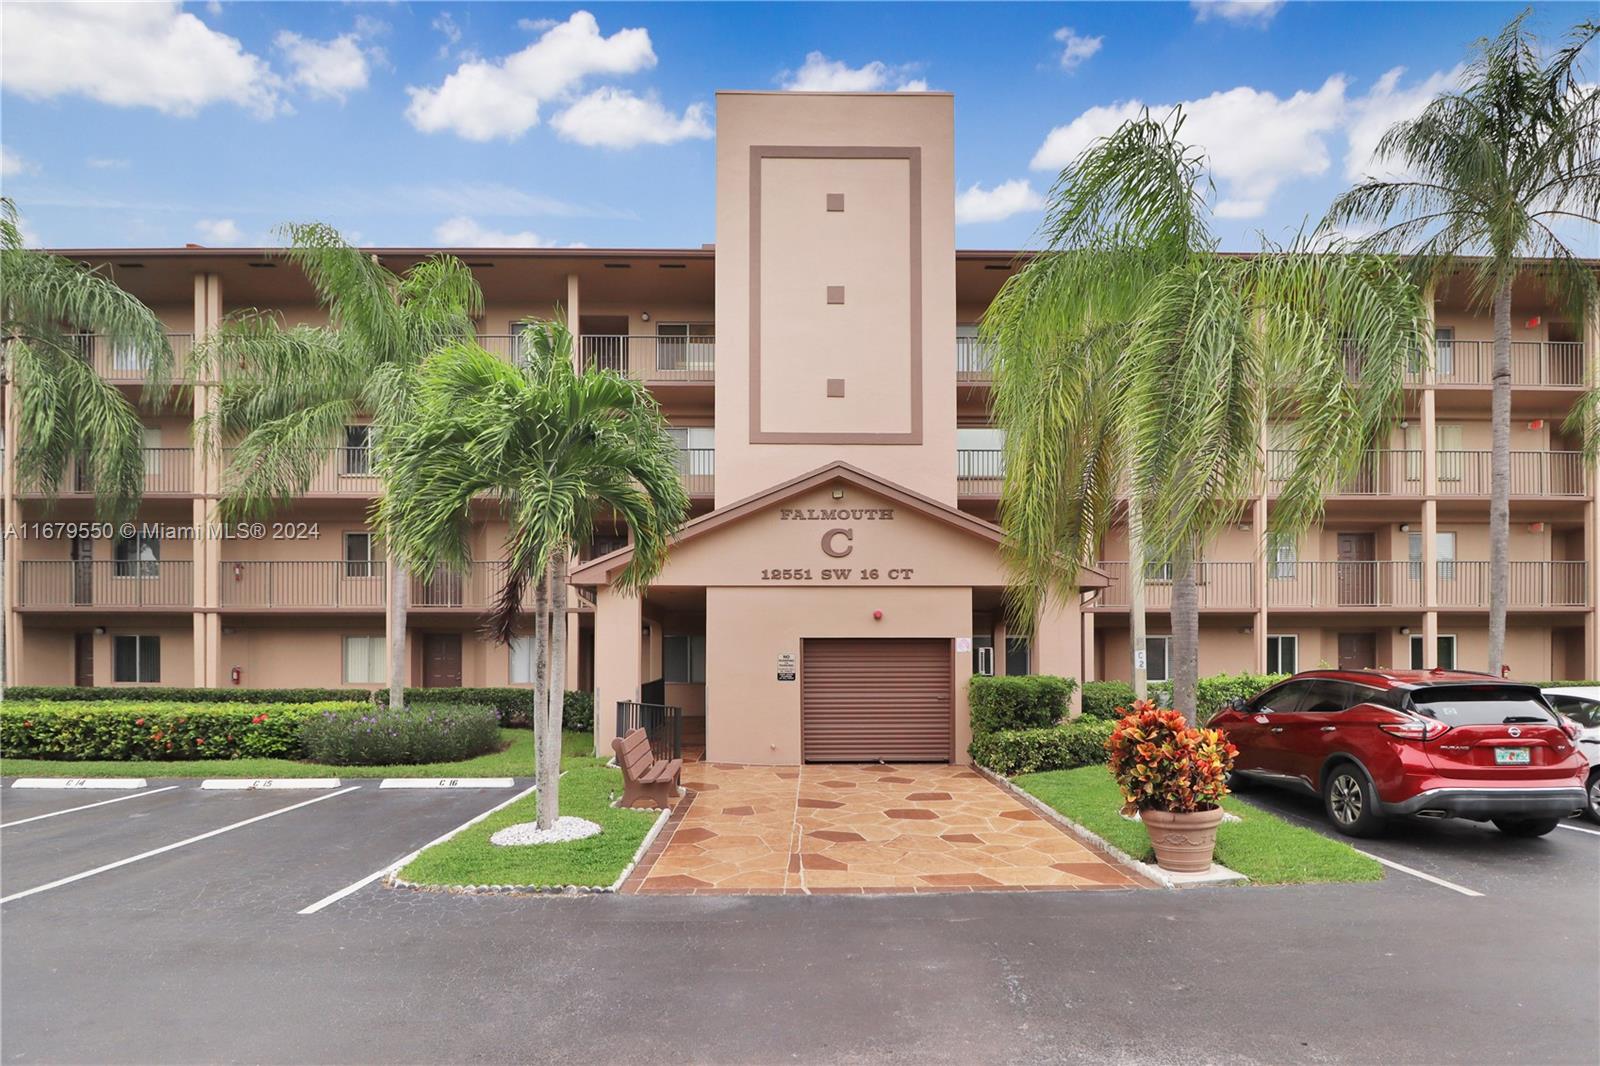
(126, 364)
(1559, 363)
(354, 585)
(475, 590)
(974, 360)
(649, 358)
(697, 467)
(130, 583)
(1535, 585)
(347, 472)
(1362, 583)
(167, 472)
(1533, 473)
(979, 471)
(1389, 472)
(1218, 586)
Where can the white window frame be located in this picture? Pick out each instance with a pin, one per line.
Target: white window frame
(1283, 553)
(1417, 661)
(1165, 643)
(696, 345)
(374, 651)
(141, 642)
(358, 567)
(521, 651)
(1444, 351)
(1289, 640)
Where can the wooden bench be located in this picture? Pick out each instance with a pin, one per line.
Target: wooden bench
(646, 780)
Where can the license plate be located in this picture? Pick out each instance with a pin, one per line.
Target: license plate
(1511, 756)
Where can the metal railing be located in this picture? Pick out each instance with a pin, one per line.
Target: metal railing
(1218, 585)
(1388, 472)
(105, 583)
(127, 364)
(974, 360)
(474, 590)
(980, 471)
(661, 723)
(1471, 362)
(651, 358)
(1356, 583)
(167, 472)
(347, 472)
(1532, 585)
(344, 584)
(698, 468)
(1533, 473)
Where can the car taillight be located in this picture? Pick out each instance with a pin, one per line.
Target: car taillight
(1568, 726)
(1416, 729)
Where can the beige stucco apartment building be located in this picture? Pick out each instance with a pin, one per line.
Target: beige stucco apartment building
(839, 581)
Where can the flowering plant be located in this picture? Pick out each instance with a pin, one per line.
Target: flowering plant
(1163, 763)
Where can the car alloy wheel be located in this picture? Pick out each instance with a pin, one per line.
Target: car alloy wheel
(1345, 799)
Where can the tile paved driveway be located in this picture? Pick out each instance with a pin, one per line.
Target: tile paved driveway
(861, 828)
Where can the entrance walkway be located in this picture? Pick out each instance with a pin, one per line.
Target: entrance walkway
(870, 828)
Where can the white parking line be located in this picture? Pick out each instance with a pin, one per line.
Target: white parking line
(172, 847)
(1580, 829)
(1441, 882)
(86, 806)
(404, 859)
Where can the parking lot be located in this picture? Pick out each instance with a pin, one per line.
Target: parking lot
(235, 935)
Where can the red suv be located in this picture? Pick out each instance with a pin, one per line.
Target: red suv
(1435, 743)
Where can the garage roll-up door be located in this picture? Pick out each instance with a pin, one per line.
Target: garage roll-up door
(872, 700)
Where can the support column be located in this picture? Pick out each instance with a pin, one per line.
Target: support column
(1258, 521)
(572, 641)
(1086, 646)
(11, 623)
(206, 472)
(573, 312)
(1057, 644)
(1430, 585)
(617, 622)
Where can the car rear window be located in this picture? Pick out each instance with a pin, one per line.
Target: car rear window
(1482, 704)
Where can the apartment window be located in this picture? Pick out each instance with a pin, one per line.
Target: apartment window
(983, 655)
(1019, 656)
(972, 355)
(1283, 554)
(697, 449)
(980, 452)
(1283, 654)
(522, 660)
(152, 452)
(136, 658)
(364, 660)
(1447, 651)
(360, 555)
(137, 556)
(1444, 351)
(127, 357)
(1452, 460)
(1157, 658)
(1413, 445)
(683, 658)
(1158, 573)
(686, 345)
(358, 450)
(1444, 549)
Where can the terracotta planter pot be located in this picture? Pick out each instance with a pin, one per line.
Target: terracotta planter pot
(1184, 842)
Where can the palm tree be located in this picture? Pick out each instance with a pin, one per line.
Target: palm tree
(557, 449)
(291, 390)
(1133, 360)
(64, 409)
(1492, 170)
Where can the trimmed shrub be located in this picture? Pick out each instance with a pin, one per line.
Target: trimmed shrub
(379, 736)
(153, 729)
(1103, 699)
(1028, 751)
(1213, 693)
(1030, 702)
(577, 711)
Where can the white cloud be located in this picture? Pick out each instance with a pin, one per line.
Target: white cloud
(615, 118)
(465, 232)
(333, 68)
(1254, 140)
(537, 25)
(131, 55)
(1259, 12)
(447, 28)
(12, 164)
(104, 163)
(978, 204)
(1075, 48)
(819, 74)
(1382, 106)
(219, 231)
(485, 99)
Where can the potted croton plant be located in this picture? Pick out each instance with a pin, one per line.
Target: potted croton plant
(1174, 775)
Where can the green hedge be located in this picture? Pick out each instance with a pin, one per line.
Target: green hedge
(515, 704)
(424, 732)
(1029, 702)
(577, 711)
(1101, 699)
(155, 729)
(1213, 693)
(1027, 751)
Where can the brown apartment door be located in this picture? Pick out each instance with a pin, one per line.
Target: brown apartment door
(83, 660)
(1357, 571)
(875, 700)
(441, 660)
(82, 570)
(1358, 651)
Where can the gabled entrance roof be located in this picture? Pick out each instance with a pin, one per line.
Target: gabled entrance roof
(600, 571)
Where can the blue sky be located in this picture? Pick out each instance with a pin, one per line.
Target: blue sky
(495, 123)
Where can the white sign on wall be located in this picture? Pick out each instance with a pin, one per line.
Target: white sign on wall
(963, 644)
(1138, 659)
(786, 666)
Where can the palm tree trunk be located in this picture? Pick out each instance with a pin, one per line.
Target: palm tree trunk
(399, 596)
(549, 747)
(1500, 477)
(1136, 641)
(1185, 663)
(541, 650)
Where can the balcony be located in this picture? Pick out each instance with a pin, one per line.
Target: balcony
(347, 473)
(1533, 473)
(1533, 586)
(979, 471)
(167, 472)
(297, 584)
(1562, 364)
(109, 584)
(127, 365)
(1389, 472)
(655, 360)
(1219, 586)
(697, 467)
(974, 361)
(1367, 583)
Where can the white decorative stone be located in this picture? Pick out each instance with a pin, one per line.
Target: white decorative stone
(567, 828)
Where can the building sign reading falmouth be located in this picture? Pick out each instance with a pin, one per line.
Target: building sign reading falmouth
(837, 541)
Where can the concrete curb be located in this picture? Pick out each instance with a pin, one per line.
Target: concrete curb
(1217, 875)
(271, 784)
(80, 783)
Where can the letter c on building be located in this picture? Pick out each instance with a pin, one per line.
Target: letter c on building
(828, 547)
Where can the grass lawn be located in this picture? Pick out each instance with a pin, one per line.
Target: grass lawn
(514, 759)
(1263, 847)
(586, 790)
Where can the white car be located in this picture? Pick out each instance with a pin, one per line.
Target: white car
(1582, 705)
